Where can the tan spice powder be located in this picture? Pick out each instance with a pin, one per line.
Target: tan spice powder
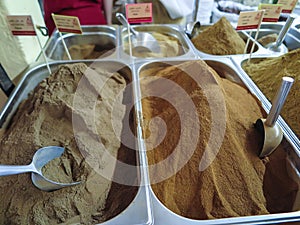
(169, 45)
(237, 182)
(219, 39)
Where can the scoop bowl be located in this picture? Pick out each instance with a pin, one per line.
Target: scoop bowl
(278, 46)
(40, 159)
(271, 130)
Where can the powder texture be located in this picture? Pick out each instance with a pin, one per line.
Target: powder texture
(169, 47)
(267, 74)
(88, 51)
(267, 39)
(237, 182)
(219, 39)
(44, 119)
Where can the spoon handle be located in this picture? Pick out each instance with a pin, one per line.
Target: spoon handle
(6, 170)
(195, 11)
(124, 22)
(279, 100)
(284, 30)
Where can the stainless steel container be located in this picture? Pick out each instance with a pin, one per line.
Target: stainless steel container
(293, 139)
(105, 38)
(258, 48)
(146, 208)
(174, 31)
(139, 210)
(162, 215)
(291, 41)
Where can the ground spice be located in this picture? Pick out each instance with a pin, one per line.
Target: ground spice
(44, 119)
(169, 47)
(237, 182)
(267, 39)
(88, 51)
(219, 39)
(267, 74)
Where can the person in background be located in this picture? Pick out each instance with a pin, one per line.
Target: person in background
(89, 12)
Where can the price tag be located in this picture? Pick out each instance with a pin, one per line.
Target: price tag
(139, 13)
(287, 5)
(67, 24)
(21, 25)
(250, 20)
(272, 12)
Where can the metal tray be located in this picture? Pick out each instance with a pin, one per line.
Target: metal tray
(170, 30)
(104, 37)
(139, 210)
(292, 39)
(146, 208)
(162, 215)
(258, 48)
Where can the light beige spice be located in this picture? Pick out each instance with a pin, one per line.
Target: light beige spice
(44, 119)
(169, 47)
(267, 39)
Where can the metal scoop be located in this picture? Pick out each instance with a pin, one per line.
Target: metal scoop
(278, 46)
(193, 28)
(143, 40)
(40, 159)
(272, 131)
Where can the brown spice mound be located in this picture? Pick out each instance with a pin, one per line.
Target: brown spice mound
(219, 39)
(267, 74)
(44, 119)
(237, 182)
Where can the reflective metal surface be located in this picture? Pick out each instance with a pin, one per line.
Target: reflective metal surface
(174, 31)
(105, 39)
(162, 215)
(146, 208)
(139, 211)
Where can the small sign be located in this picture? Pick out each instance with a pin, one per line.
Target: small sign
(250, 20)
(272, 12)
(21, 25)
(67, 24)
(287, 5)
(139, 13)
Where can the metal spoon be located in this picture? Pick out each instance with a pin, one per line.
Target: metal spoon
(272, 131)
(40, 159)
(193, 28)
(140, 39)
(278, 46)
